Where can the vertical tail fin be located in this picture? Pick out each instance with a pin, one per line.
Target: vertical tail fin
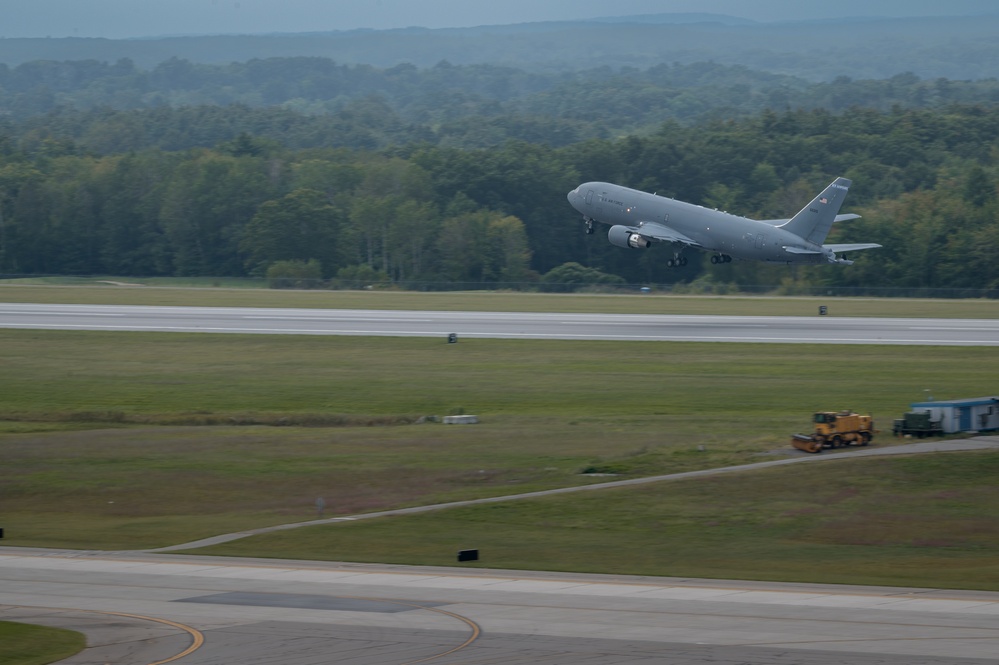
(815, 219)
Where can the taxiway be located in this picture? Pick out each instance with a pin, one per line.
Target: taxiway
(158, 608)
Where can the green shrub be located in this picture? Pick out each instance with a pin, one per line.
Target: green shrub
(295, 274)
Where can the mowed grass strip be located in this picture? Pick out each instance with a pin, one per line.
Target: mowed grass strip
(100, 450)
(193, 378)
(130, 291)
(926, 521)
(26, 644)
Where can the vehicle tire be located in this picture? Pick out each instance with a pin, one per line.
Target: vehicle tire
(837, 442)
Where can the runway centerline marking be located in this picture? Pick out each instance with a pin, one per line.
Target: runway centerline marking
(320, 319)
(959, 328)
(33, 313)
(653, 323)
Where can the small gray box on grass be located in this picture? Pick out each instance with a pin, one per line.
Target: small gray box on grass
(461, 420)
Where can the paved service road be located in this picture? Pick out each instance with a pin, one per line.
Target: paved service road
(157, 608)
(515, 325)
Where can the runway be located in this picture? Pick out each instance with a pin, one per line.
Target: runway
(146, 608)
(506, 325)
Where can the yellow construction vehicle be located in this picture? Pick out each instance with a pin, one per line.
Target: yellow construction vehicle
(834, 429)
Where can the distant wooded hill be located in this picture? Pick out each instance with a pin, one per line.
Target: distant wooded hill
(315, 102)
(950, 47)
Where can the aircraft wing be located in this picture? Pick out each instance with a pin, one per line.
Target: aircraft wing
(856, 247)
(835, 249)
(838, 218)
(663, 233)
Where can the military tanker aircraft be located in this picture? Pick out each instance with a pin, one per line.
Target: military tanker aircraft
(639, 219)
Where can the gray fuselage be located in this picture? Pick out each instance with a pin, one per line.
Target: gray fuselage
(709, 230)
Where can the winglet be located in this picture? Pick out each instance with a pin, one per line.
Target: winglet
(815, 219)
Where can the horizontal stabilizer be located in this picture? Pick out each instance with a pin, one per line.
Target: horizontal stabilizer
(799, 250)
(845, 218)
(856, 247)
(664, 233)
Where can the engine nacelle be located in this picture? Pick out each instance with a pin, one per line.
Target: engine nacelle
(622, 236)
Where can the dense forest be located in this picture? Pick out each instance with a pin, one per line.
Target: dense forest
(314, 172)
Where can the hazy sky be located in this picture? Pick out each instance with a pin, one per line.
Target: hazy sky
(143, 18)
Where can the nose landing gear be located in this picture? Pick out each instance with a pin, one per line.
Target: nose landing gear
(589, 225)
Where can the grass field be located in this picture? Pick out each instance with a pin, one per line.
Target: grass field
(923, 521)
(131, 440)
(171, 378)
(25, 644)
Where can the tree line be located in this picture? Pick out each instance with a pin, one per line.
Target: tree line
(924, 180)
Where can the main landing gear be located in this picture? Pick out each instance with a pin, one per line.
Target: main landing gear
(721, 258)
(676, 262)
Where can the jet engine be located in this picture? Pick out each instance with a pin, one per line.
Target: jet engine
(622, 236)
